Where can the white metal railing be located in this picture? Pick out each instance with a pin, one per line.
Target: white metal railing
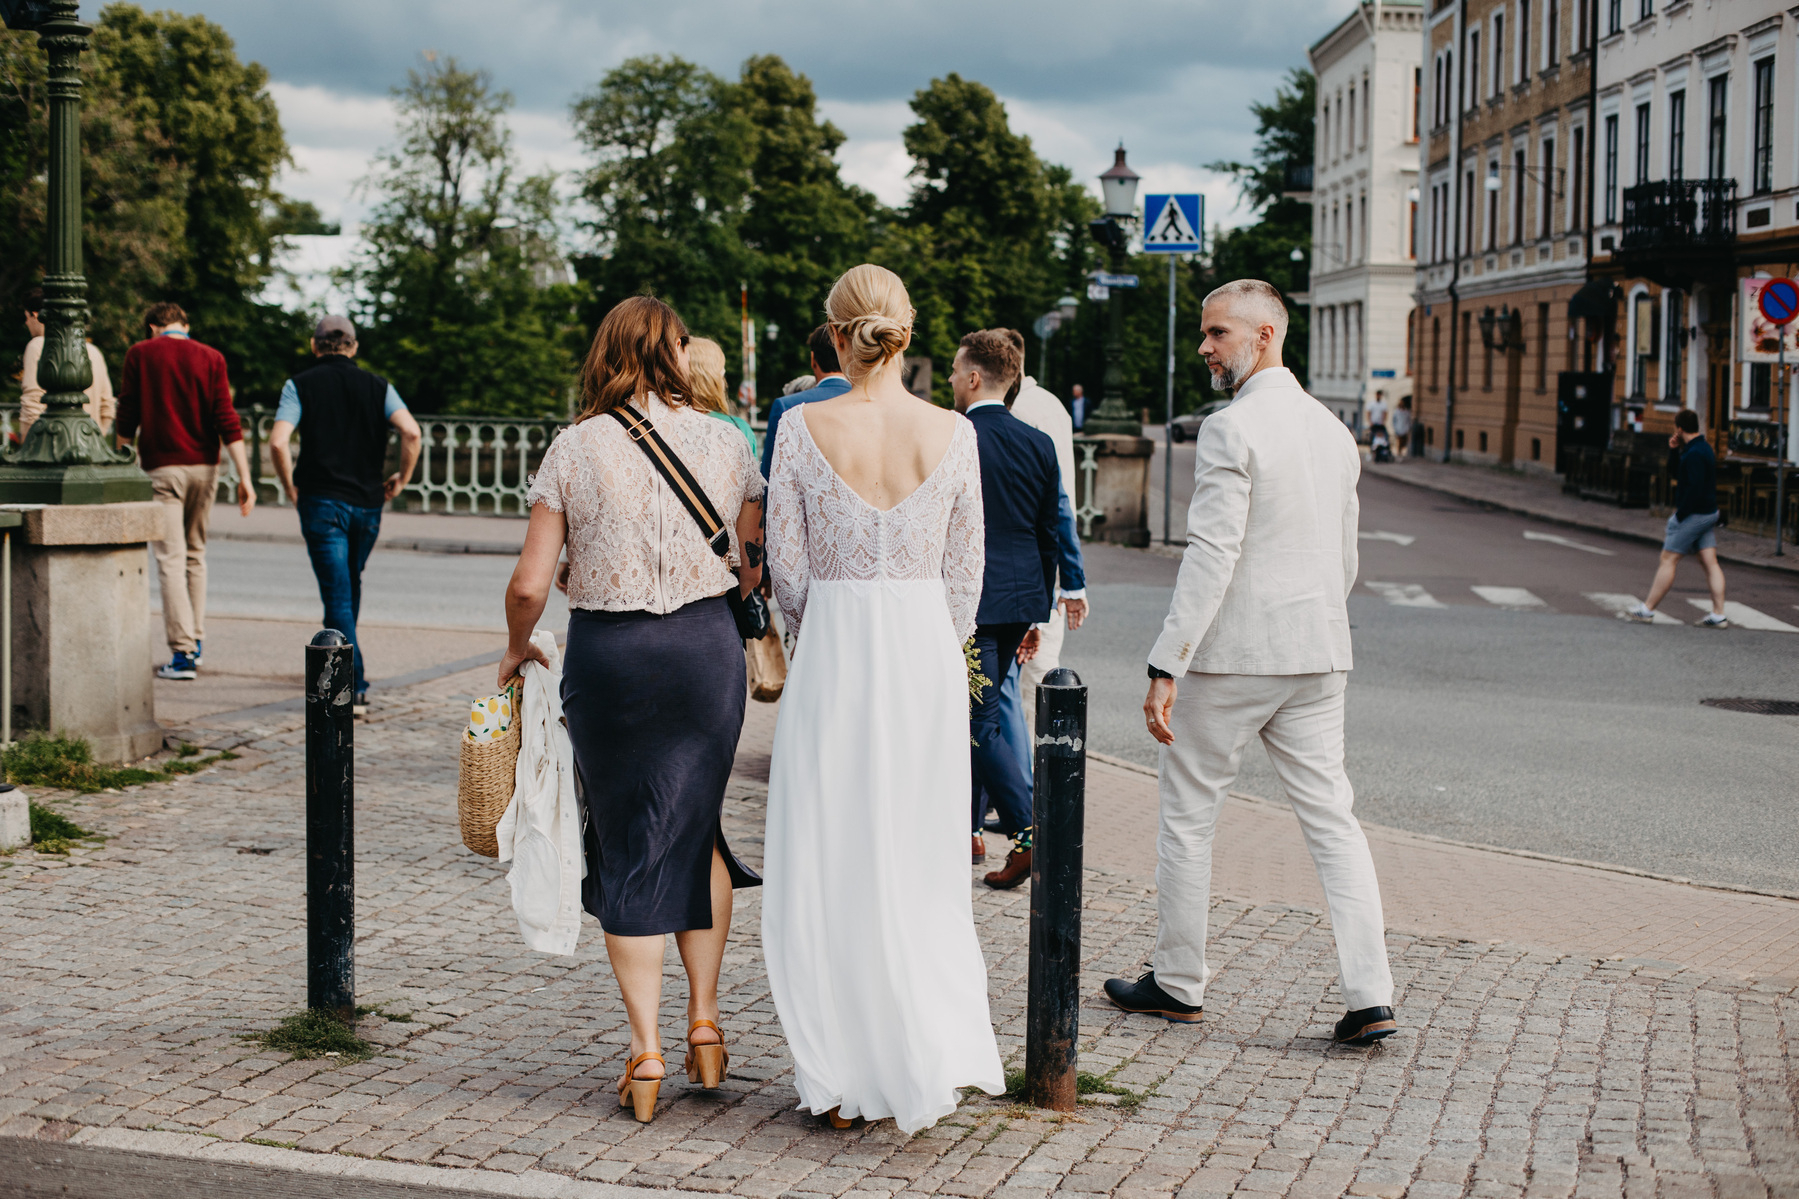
(1087, 473)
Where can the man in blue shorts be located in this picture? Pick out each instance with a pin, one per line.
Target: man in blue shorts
(1694, 470)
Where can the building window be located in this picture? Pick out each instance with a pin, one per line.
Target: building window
(1645, 9)
(1492, 209)
(1547, 218)
(1761, 167)
(1677, 134)
(1483, 441)
(1486, 367)
(1350, 131)
(1642, 143)
(1552, 33)
(1458, 438)
(1517, 196)
(1542, 348)
(1411, 238)
(1577, 171)
(1580, 23)
(1467, 341)
(1536, 449)
(1473, 61)
(1499, 53)
(1611, 169)
(1436, 348)
(1417, 98)
(1715, 145)
(1761, 385)
(1614, 16)
(1674, 304)
(1523, 40)
(1467, 239)
(1367, 116)
(1411, 326)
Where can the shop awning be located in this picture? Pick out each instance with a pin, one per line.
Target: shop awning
(1593, 301)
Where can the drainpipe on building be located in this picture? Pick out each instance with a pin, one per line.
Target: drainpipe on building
(1455, 227)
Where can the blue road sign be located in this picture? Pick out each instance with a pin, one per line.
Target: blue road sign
(1172, 224)
(1780, 300)
(1106, 280)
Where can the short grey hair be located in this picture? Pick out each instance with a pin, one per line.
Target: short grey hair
(1255, 299)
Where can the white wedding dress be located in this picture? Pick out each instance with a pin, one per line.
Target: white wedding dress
(867, 920)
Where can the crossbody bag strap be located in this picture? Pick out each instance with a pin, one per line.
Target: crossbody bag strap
(675, 473)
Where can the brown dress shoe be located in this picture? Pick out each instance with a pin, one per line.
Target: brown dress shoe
(1016, 870)
(980, 848)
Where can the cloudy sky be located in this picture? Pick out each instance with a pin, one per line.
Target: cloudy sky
(1172, 78)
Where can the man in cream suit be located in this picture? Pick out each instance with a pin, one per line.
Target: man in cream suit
(1257, 636)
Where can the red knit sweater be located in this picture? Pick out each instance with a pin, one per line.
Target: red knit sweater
(174, 398)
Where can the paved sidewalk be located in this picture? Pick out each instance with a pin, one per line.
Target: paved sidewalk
(1541, 496)
(1522, 1070)
(441, 533)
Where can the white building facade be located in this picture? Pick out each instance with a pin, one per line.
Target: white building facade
(1364, 175)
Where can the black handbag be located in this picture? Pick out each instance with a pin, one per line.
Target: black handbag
(749, 611)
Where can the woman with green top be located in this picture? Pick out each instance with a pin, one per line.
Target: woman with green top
(706, 373)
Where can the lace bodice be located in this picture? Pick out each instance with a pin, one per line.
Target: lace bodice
(631, 544)
(818, 528)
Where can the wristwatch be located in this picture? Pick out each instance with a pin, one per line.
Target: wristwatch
(1158, 673)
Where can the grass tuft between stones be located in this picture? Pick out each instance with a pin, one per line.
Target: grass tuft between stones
(314, 1034)
(1084, 1084)
(52, 832)
(68, 763)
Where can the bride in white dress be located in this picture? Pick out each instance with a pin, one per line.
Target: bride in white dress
(876, 546)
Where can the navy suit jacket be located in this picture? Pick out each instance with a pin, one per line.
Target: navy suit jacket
(1020, 487)
(836, 385)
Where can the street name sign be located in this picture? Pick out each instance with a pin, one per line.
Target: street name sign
(1105, 280)
(1172, 223)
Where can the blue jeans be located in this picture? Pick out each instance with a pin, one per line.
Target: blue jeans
(1001, 775)
(339, 537)
(1014, 734)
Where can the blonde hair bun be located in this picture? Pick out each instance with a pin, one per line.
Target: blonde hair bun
(868, 306)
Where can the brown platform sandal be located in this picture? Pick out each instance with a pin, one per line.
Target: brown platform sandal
(838, 1120)
(640, 1093)
(706, 1064)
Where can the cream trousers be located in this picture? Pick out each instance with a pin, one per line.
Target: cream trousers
(1300, 721)
(186, 493)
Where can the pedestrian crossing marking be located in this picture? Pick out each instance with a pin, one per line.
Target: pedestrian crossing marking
(1383, 535)
(1553, 539)
(1405, 595)
(1510, 597)
(1745, 617)
(1619, 603)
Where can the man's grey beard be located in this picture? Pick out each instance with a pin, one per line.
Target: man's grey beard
(1231, 373)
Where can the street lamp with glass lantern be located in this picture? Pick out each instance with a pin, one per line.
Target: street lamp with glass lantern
(1118, 188)
(64, 458)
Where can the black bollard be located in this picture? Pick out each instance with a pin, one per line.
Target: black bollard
(330, 832)
(1059, 813)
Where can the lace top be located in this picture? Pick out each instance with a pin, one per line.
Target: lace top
(818, 528)
(631, 544)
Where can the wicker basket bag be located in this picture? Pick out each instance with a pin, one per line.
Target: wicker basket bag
(484, 782)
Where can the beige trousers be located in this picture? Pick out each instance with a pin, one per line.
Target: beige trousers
(187, 493)
(1046, 659)
(1300, 721)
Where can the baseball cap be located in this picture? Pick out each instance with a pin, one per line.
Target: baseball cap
(334, 324)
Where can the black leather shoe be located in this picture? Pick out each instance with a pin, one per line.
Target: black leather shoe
(1366, 1026)
(1146, 998)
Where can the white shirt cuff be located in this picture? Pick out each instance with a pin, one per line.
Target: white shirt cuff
(1080, 594)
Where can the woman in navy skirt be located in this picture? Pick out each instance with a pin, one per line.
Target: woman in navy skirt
(653, 678)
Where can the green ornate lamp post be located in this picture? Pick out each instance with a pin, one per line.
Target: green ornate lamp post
(1118, 186)
(65, 459)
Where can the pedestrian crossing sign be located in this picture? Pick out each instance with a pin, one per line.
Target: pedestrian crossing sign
(1172, 223)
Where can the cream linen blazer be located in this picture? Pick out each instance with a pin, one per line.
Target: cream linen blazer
(1271, 539)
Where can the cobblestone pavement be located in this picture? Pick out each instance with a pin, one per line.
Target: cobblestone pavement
(134, 969)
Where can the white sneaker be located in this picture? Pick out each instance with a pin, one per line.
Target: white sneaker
(1713, 621)
(1641, 614)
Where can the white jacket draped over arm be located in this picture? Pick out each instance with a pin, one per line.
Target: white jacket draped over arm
(540, 833)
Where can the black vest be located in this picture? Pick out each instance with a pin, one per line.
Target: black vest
(343, 432)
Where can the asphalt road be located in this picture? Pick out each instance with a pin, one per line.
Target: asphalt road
(1554, 728)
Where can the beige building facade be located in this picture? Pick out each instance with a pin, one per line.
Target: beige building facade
(1504, 190)
(1365, 168)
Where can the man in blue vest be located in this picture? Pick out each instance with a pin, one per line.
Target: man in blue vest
(343, 414)
(1020, 487)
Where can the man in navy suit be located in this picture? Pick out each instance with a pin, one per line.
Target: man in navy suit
(1020, 483)
(831, 382)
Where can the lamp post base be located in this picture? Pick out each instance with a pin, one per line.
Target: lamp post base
(113, 483)
(1124, 427)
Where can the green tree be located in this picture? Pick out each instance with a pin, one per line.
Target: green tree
(992, 234)
(1264, 249)
(209, 118)
(802, 224)
(466, 306)
(132, 211)
(669, 188)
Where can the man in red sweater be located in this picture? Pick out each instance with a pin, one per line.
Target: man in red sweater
(175, 400)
